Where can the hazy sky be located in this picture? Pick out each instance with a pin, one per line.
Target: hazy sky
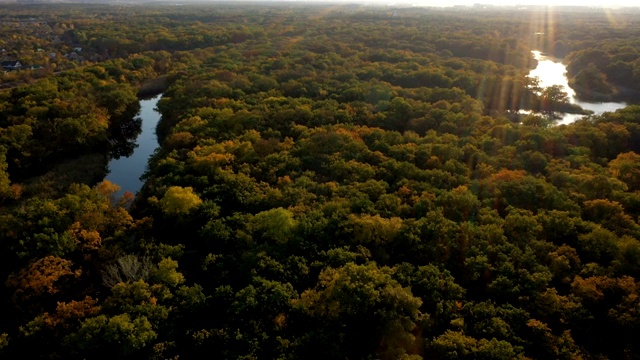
(593, 3)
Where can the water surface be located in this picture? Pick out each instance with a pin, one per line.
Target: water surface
(126, 171)
(551, 71)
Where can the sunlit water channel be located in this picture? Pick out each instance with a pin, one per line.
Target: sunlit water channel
(551, 71)
(126, 171)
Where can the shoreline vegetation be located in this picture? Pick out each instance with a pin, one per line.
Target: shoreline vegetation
(613, 94)
(333, 182)
(152, 87)
(89, 168)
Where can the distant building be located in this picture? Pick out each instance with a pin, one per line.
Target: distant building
(74, 56)
(11, 65)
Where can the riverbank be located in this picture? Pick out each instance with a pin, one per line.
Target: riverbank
(88, 169)
(565, 107)
(92, 167)
(618, 94)
(153, 87)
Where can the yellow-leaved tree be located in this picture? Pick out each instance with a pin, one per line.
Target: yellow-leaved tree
(179, 200)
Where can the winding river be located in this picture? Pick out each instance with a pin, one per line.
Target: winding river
(126, 171)
(551, 71)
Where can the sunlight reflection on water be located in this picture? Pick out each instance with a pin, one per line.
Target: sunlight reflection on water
(551, 71)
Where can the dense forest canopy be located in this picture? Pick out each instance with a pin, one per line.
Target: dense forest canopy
(336, 182)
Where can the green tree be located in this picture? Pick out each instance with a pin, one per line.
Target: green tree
(379, 313)
(116, 335)
(626, 167)
(275, 225)
(457, 345)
